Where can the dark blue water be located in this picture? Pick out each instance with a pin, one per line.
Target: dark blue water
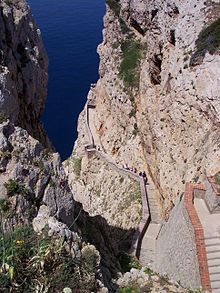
(71, 31)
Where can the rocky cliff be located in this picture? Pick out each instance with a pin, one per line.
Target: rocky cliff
(33, 185)
(23, 68)
(156, 102)
(154, 108)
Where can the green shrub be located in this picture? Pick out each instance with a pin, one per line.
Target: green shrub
(90, 258)
(133, 112)
(124, 28)
(77, 166)
(13, 187)
(128, 262)
(148, 271)
(134, 194)
(115, 45)
(132, 52)
(135, 130)
(128, 289)
(3, 117)
(115, 6)
(8, 2)
(4, 206)
(208, 41)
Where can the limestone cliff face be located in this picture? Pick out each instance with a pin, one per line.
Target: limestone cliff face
(159, 112)
(23, 68)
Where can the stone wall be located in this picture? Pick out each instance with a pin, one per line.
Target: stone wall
(176, 249)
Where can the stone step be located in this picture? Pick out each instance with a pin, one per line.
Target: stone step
(213, 255)
(212, 249)
(215, 277)
(214, 270)
(209, 241)
(153, 206)
(215, 285)
(214, 262)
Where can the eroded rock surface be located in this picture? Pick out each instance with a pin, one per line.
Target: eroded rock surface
(23, 68)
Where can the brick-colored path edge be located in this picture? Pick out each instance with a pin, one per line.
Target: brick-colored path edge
(199, 234)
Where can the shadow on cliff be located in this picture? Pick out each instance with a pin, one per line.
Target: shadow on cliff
(109, 240)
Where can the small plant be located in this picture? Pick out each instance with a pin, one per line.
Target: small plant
(196, 291)
(124, 28)
(77, 166)
(128, 289)
(115, 6)
(208, 41)
(91, 258)
(148, 271)
(4, 206)
(115, 45)
(8, 2)
(217, 181)
(13, 187)
(133, 112)
(3, 117)
(128, 262)
(134, 194)
(136, 130)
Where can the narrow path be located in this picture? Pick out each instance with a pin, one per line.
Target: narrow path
(137, 246)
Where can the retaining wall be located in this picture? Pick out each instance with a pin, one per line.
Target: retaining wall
(176, 253)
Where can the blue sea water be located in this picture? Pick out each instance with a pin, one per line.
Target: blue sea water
(71, 31)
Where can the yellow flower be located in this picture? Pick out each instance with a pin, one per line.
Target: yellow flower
(19, 242)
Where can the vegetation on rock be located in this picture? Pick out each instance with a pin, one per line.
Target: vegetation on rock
(132, 53)
(3, 117)
(208, 41)
(38, 263)
(217, 180)
(115, 6)
(14, 187)
(77, 166)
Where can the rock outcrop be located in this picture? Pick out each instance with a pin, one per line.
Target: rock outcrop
(30, 175)
(23, 68)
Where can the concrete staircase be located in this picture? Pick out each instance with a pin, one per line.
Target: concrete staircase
(154, 209)
(213, 255)
(148, 245)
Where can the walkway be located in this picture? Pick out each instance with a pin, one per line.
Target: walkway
(211, 226)
(147, 203)
(206, 225)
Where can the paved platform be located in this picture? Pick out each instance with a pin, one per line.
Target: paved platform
(210, 222)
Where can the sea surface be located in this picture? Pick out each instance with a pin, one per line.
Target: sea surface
(71, 31)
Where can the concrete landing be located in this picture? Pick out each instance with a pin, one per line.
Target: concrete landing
(210, 222)
(148, 246)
